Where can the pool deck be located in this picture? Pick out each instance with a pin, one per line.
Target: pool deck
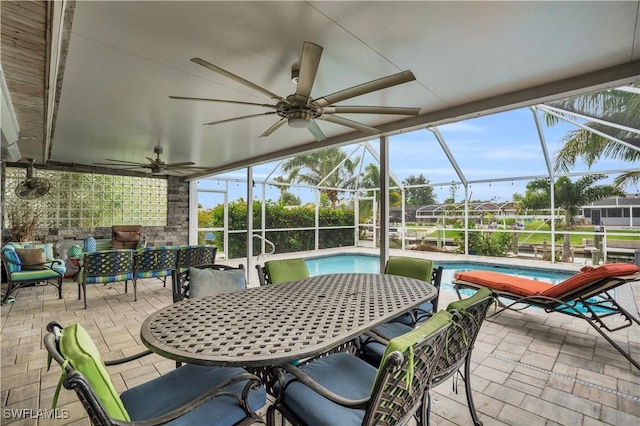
(529, 368)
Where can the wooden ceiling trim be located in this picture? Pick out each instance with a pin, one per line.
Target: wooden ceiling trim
(24, 27)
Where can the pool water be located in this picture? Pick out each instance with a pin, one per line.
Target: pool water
(371, 264)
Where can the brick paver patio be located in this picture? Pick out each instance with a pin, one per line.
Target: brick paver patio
(530, 368)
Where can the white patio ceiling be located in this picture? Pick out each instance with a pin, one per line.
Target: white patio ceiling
(126, 58)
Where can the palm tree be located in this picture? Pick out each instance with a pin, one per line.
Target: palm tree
(614, 106)
(371, 179)
(571, 196)
(314, 168)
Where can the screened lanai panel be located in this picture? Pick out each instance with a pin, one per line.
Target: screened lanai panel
(418, 152)
(571, 127)
(496, 146)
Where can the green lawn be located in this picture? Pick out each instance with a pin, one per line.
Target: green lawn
(545, 234)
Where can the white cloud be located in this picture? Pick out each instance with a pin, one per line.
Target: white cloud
(462, 126)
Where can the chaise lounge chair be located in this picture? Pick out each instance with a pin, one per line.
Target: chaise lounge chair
(586, 295)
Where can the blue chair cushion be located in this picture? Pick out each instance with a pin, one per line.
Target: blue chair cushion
(9, 251)
(184, 384)
(408, 319)
(374, 351)
(341, 373)
(105, 279)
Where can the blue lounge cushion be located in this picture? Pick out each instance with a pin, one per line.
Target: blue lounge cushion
(9, 251)
(184, 384)
(48, 250)
(341, 373)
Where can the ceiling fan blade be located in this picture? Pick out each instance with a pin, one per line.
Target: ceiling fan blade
(151, 160)
(239, 79)
(370, 110)
(189, 168)
(120, 161)
(362, 89)
(121, 166)
(184, 98)
(184, 163)
(309, 63)
(316, 131)
(239, 118)
(349, 123)
(273, 128)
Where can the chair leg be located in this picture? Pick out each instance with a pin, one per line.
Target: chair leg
(423, 416)
(84, 292)
(60, 288)
(467, 388)
(271, 416)
(10, 289)
(135, 289)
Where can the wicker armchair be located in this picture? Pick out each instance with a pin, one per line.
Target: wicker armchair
(189, 395)
(343, 389)
(107, 267)
(468, 314)
(126, 236)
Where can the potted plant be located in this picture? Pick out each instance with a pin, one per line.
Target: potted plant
(23, 220)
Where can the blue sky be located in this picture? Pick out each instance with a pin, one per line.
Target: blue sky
(502, 145)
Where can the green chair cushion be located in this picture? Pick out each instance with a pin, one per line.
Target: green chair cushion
(78, 348)
(282, 271)
(420, 269)
(406, 341)
(209, 282)
(462, 305)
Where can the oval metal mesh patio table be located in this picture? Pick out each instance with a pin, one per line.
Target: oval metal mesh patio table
(275, 324)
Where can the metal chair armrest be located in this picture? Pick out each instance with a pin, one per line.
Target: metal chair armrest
(302, 377)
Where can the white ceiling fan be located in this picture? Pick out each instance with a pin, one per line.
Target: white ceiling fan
(300, 110)
(154, 166)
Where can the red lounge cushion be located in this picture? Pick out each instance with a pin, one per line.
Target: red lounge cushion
(589, 274)
(504, 282)
(527, 287)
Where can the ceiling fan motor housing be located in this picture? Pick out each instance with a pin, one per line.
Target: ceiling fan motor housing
(300, 119)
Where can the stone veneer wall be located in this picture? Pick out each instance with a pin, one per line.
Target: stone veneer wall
(175, 233)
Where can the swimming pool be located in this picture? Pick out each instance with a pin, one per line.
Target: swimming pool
(342, 263)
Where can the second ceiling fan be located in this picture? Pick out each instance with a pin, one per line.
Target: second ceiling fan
(300, 110)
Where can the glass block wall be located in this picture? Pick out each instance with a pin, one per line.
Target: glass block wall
(78, 199)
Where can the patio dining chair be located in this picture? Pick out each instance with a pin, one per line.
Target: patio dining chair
(468, 316)
(420, 269)
(342, 389)
(196, 255)
(155, 262)
(282, 271)
(102, 267)
(587, 295)
(189, 395)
